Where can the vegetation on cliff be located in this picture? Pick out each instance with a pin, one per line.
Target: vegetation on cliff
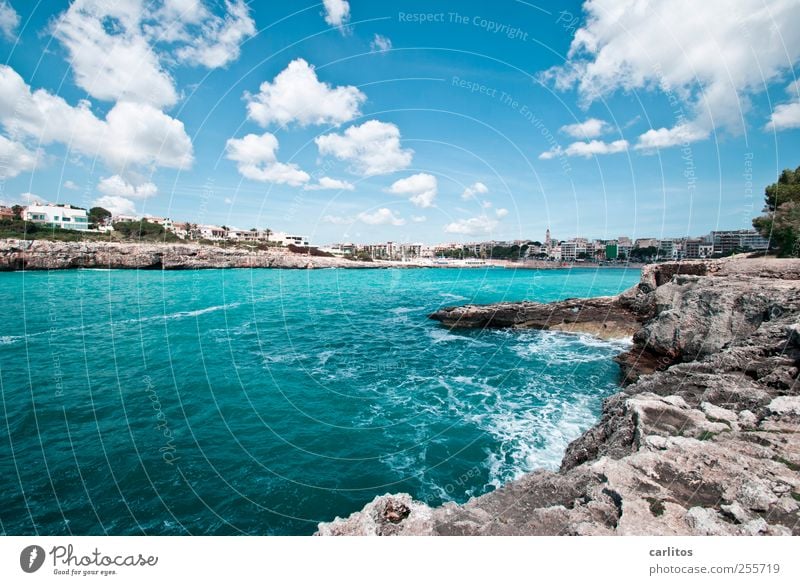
(781, 221)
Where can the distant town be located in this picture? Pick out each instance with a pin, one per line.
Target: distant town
(620, 250)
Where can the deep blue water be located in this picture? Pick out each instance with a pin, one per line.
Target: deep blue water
(265, 401)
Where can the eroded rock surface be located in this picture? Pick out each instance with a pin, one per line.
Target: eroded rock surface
(47, 255)
(704, 440)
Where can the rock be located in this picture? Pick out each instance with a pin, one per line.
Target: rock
(50, 255)
(604, 317)
(754, 494)
(387, 515)
(785, 405)
(701, 441)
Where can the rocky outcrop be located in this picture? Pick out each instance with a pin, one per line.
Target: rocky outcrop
(705, 443)
(48, 255)
(606, 317)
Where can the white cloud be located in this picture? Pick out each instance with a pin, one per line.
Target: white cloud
(328, 183)
(786, 116)
(373, 148)
(256, 160)
(110, 56)
(421, 189)
(219, 42)
(591, 128)
(32, 198)
(383, 216)
(116, 205)
(666, 137)
(501, 212)
(711, 62)
(586, 149)
(473, 190)
(131, 134)
(337, 12)
(71, 185)
(338, 220)
(117, 50)
(9, 20)
(15, 158)
(297, 95)
(116, 185)
(228, 201)
(418, 218)
(486, 204)
(380, 44)
(474, 226)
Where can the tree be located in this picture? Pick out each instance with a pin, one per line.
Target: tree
(98, 215)
(781, 222)
(17, 209)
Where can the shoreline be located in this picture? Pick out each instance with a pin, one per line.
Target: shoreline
(701, 439)
(43, 255)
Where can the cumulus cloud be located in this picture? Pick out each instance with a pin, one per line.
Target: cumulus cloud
(474, 226)
(711, 62)
(666, 137)
(16, 158)
(297, 95)
(256, 159)
(501, 212)
(220, 38)
(9, 20)
(421, 189)
(474, 190)
(786, 116)
(418, 218)
(116, 185)
(380, 44)
(373, 148)
(131, 134)
(337, 12)
(117, 49)
(116, 205)
(328, 183)
(110, 56)
(71, 185)
(586, 149)
(382, 216)
(591, 128)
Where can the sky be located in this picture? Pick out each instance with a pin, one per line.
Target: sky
(403, 121)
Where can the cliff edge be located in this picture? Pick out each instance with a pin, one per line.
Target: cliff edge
(702, 439)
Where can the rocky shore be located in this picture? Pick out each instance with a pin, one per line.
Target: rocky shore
(701, 440)
(49, 255)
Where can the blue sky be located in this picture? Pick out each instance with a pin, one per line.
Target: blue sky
(408, 121)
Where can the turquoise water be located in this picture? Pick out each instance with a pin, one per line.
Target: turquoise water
(265, 401)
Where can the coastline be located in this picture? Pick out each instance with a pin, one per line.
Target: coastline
(16, 255)
(700, 440)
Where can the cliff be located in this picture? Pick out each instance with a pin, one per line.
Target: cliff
(702, 439)
(47, 255)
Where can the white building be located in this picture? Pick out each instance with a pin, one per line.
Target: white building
(62, 216)
(285, 239)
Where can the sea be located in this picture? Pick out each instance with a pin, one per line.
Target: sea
(262, 402)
